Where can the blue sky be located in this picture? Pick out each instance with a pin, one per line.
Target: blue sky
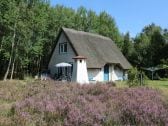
(130, 15)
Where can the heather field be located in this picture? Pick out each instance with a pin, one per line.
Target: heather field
(50, 103)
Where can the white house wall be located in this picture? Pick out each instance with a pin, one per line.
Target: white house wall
(64, 57)
(96, 74)
(111, 72)
(118, 74)
(115, 73)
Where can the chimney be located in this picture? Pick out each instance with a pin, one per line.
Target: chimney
(80, 74)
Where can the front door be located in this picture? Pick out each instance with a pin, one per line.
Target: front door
(106, 72)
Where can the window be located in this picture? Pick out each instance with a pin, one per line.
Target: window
(63, 48)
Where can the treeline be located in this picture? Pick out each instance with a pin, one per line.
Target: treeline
(28, 29)
(148, 49)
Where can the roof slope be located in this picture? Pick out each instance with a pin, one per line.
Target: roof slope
(98, 49)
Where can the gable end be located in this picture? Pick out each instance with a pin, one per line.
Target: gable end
(56, 42)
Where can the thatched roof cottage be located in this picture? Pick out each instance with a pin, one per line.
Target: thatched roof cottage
(92, 57)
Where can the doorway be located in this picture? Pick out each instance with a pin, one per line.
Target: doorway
(106, 72)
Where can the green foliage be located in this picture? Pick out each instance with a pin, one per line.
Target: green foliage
(28, 30)
(136, 78)
(127, 47)
(107, 27)
(150, 47)
(133, 79)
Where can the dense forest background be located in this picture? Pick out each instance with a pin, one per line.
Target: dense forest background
(28, 30)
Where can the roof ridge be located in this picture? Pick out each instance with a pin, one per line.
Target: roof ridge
(86, 33)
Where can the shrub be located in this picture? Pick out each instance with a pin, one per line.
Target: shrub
(88, 105)
(133, 77)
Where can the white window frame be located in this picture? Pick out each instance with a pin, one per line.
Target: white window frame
(62, 49)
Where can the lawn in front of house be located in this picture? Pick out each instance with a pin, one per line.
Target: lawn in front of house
(159, 84)
(156, 84)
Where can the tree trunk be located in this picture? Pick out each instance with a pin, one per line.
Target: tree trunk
(1, 44)
(39, 64)
(7, 71)
(13, 68)
(10, 59)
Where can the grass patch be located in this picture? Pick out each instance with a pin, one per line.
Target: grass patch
(161, 85)
(121, 84)
(158, 84)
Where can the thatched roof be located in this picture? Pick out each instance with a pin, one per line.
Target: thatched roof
(98, 50)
